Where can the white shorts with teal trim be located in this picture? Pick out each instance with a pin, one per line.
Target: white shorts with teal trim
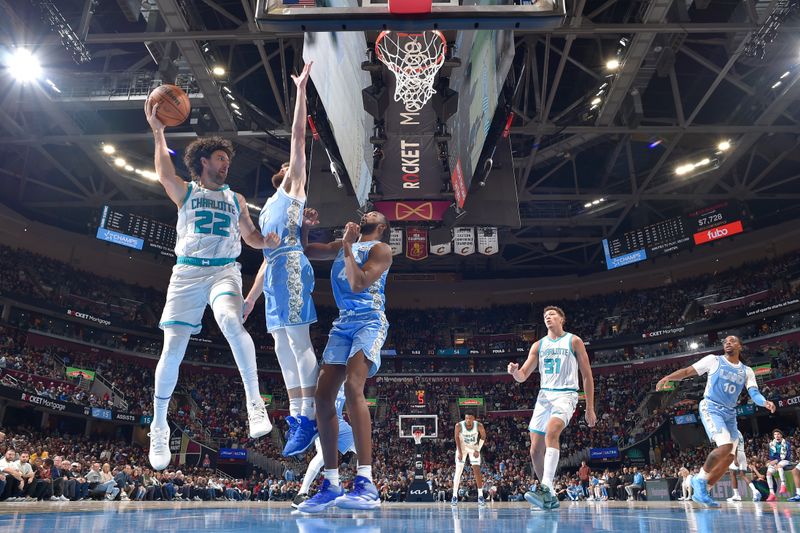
(356, 332)
(192, 288)
(549, 404)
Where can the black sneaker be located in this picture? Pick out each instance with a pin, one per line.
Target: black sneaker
(300, 498)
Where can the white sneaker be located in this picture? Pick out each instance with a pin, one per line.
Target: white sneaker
(258, 419)
(55, 499)
(735, 498)
(63, 498)
(159, 448)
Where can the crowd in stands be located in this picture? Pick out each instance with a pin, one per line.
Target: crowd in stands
(56, 285)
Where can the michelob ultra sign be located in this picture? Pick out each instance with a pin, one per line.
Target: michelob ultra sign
(470, 402)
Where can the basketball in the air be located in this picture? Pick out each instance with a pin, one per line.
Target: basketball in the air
(174, 104)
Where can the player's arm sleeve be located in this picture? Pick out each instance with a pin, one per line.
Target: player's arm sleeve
(705, 365)
(752, 388)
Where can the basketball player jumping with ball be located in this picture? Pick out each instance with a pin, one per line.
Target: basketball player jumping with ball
(559, 355)
(212, 221)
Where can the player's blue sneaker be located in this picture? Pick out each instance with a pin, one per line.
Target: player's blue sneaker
(756, 496)
(454, 500)
(292, 421)
(700, 493)
(363, 497)
(302, 438)
(795, 498)
(481, 500)
(325, 498)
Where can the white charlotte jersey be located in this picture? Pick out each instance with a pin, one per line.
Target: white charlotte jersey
(208, 224)
(469, 437)
(558, 364)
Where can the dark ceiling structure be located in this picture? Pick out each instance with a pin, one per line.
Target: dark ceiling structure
(596, 147)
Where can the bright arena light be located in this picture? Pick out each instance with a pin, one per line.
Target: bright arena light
(129, 168)
(218, 71)
(24, 66)
(724, 146)
(596, 101)
(612, 64)
(109, 149)
(694, 346)
(120, 162)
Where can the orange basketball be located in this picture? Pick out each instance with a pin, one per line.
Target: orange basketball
(174, 104)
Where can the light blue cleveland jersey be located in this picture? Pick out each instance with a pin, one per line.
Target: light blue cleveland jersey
(283, 215)
(208, 224)
(370, 299)
(340, 401)
(558, 366)
(725, 380)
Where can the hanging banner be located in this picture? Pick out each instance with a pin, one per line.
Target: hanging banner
(442, 249)
(416, 244)
(73, 372)
(410, 168)
(413, 211)
(464, 239)
(763, 370)
(487, 240)
(267, 399)
(396, 241)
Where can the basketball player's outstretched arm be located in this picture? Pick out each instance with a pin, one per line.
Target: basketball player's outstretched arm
(174, 186)
(481, 439)
(250, 233)
(255, 292)
(378, 262)
(319, 251)
(579, 349)
(521, 374)
(294, 182)
(678, 375)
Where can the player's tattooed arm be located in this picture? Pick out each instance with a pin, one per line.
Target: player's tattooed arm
(521, 374)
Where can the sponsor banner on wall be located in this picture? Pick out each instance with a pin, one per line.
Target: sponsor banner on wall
(187, 451)
(789, 402)
(418, 379)
(772, 307)
(604, 453)
(762, 370)
(396, 241)
(442, 249)
(233, 454)
(416, 244)
(267, 399)
(87, 316)
(459, 187)
(470, 402)
(464, 241)
(487, 240)
(413, 211)
(372, 402)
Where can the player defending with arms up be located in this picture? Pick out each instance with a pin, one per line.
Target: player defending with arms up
(287, 280)
(353, 354)
(211, 225)
(470, 437)
(727, 375)
(559, 356)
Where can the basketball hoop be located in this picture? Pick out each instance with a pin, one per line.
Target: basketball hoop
(414, 58)
(418, 437)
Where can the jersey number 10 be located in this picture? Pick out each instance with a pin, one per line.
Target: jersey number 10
(552, 366)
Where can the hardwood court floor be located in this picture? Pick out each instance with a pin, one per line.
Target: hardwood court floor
(619, 517)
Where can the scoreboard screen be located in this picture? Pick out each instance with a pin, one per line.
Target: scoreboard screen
(138, 232)
(675, 234)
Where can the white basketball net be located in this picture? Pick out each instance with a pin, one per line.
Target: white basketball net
(415, 58)
(417, 437)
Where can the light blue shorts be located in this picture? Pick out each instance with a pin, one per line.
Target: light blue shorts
(346, 440)
(357, 332)
(288, 284)
(719, 421)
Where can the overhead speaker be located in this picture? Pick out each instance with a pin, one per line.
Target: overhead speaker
(376, 100)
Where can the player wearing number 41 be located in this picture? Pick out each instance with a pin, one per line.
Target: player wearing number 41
(353, 354)
(559, 356)
(212, 221)
(727, 375)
